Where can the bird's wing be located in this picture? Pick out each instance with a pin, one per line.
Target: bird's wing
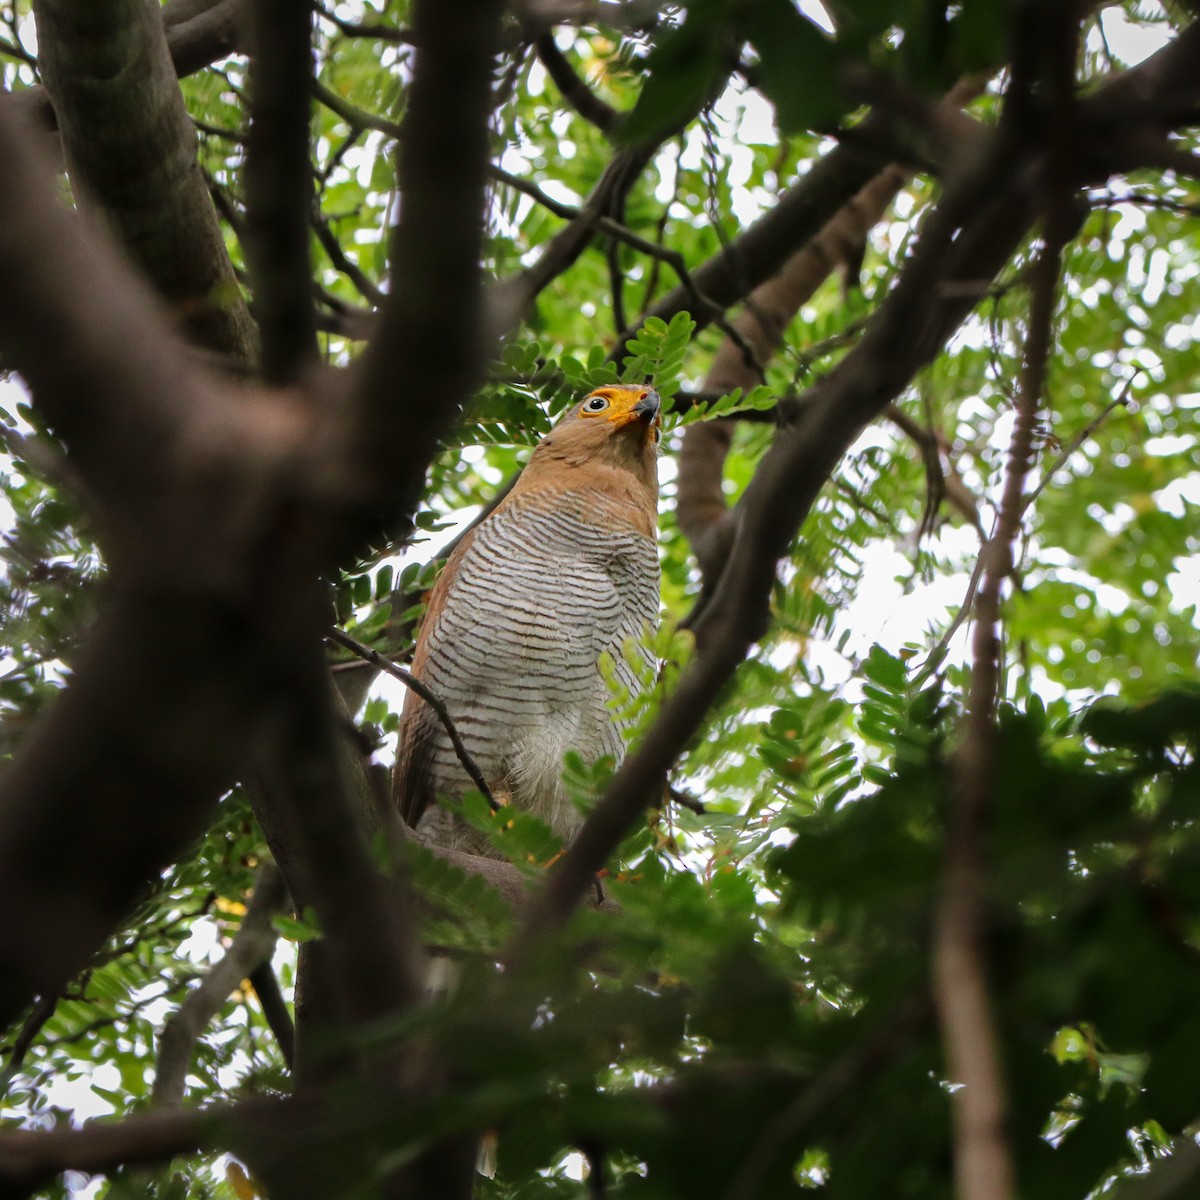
(412, 785)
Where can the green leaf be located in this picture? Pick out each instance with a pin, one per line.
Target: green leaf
(683, 71)
(799, 66)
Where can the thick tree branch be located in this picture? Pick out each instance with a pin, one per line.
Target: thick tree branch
(251, 947)
(28, 1159)
(215, 509)
(131, 152)
(702, 510)
(409, 393)
(983, 1167)
(117, 398)
(574, 91)
(371, 938)
(703, 513)
(1163, 90)
(279, 187)
(201, 32)
(119, 776)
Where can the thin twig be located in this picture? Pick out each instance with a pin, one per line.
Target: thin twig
(355, 117)
(252, 945)
(1122, 401)
(430, 697)
(33, 1024)
(616, 282)
(275, 1010)
(12, 50)
(708, 308)
(342, 262)
(847, 1071)
(374, 30)
(934, 659)
(574, 91)
(45, 458)
(686, 799)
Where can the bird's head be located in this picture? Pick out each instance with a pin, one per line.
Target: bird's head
(618, 424)
(608, 441)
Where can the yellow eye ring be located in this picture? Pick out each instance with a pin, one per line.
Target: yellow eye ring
(595, 404)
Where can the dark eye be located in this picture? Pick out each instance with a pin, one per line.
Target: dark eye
(595, 404)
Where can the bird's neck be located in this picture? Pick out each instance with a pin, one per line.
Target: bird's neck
(608, 491)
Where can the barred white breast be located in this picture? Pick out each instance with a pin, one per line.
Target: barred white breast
(541, 592)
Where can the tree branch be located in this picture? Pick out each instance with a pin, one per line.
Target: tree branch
(117, 398)
(510, 299)
(701, 508)
(342, 262)
(201, 32)
(29, 1158)
(983, 1166)
(410, 681)
(181, 679)
(754, 255)
(275, 1010)
(574, 91)
(370, 936)
(251, 947)
(279, 187)
(131, 151)
(407, 394)
(619, 232)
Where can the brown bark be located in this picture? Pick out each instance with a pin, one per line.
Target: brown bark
(251, 947)
(131, 154)
(216, 507)
(701, 506)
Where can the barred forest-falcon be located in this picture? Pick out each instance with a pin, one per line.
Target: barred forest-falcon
(565, 568)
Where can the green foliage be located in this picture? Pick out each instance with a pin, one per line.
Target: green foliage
(755, 1019)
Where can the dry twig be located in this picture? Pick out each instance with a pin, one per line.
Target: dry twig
(410, 681)
(251, 947)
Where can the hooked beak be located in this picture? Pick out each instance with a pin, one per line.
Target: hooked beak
(647, 408)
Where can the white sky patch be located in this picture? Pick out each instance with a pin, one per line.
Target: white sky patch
(1179, 495)
(77, 1096)
(1184, 582)
(817, 13)
(1129, 42)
